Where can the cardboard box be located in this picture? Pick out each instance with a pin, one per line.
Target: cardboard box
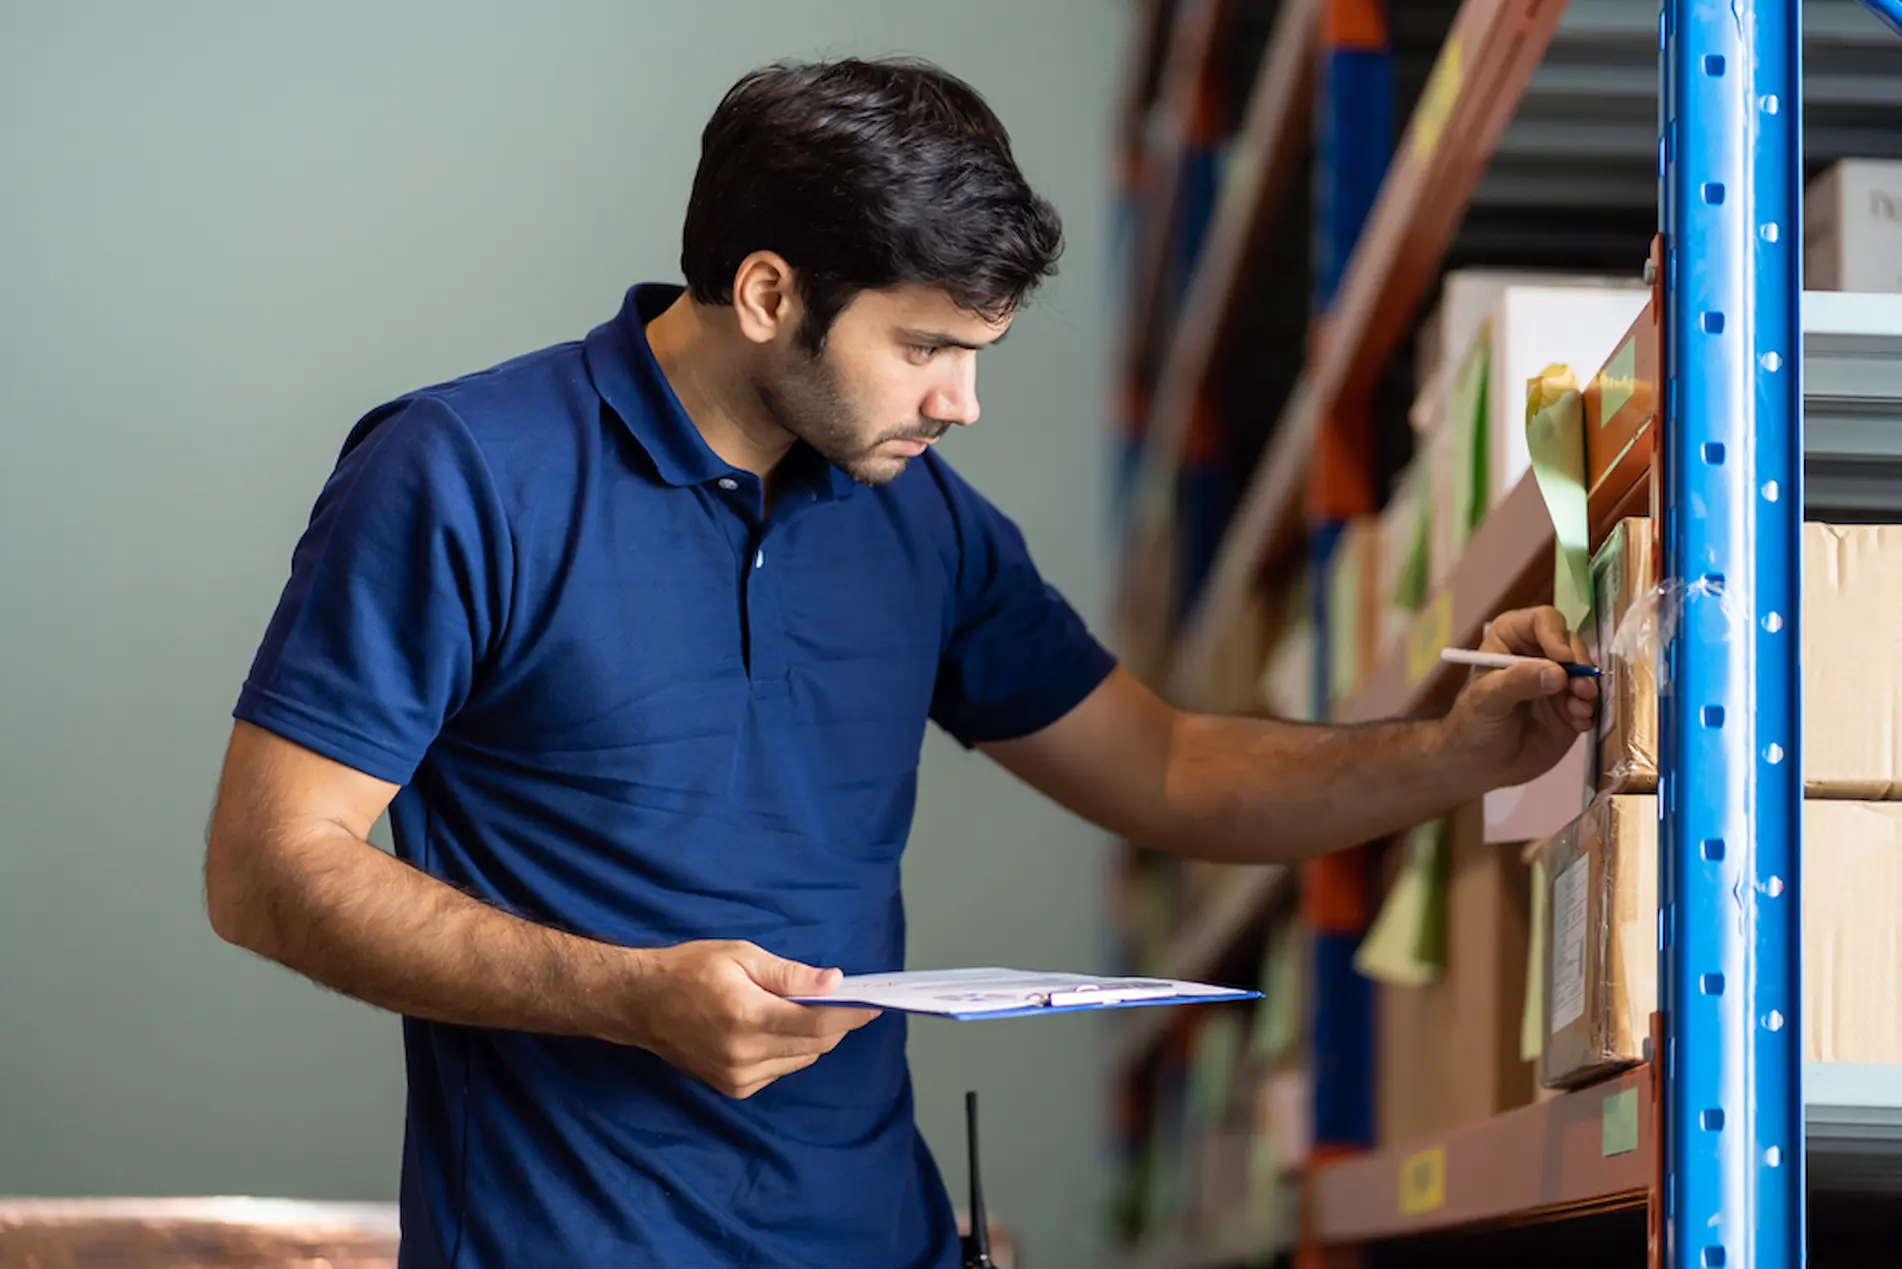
(1852, 227)
(1602, 956)
(1852, 661)
(1624, 573)
(1448, 1053)
(1851, 633)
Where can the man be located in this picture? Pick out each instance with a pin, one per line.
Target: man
(637, 639)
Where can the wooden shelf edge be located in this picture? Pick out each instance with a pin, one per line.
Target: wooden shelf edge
(1208, 937)
(1440, 158)
(1550, 1159)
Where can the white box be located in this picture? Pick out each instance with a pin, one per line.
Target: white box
(1533, 327)
(1467, 298)
(1852, 227)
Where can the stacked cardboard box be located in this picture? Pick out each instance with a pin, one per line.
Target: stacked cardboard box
(1599, 940)
(1850, 629)
(1602, 949)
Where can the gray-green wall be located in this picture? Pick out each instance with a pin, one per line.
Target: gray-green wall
(225, 229)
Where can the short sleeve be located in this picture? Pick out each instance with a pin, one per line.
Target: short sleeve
(1019, 657)
(397, 589)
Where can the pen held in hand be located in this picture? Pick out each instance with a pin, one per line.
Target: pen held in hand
(1502, 661)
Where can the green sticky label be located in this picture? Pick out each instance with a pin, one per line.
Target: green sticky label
(1618, 381)
(1619, 1124)
(1555, 439)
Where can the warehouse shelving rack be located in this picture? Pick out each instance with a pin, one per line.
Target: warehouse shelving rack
(1769, 402)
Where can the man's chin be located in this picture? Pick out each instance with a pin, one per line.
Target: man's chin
(874, 467)
(877, 470)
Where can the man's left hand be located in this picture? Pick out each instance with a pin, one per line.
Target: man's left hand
(1509, 726)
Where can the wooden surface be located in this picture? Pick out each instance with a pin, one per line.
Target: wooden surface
(1548, 1159)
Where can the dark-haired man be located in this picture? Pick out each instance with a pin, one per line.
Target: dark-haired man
(637, 639)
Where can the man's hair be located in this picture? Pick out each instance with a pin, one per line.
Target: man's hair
(865, 175)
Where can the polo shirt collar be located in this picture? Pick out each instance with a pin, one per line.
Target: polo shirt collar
(629, 378)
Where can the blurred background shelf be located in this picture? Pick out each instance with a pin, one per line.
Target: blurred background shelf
(1279, 431)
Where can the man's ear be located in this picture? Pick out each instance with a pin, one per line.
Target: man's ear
(766, 298)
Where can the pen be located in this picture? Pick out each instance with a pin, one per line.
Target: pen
(1501, 661)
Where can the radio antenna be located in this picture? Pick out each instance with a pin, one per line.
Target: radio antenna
(977, 1246)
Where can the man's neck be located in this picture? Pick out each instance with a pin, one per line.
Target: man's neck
(705, 368)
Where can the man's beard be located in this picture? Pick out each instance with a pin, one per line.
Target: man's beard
(809, 402)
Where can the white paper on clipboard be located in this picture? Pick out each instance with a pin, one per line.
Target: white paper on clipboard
(994, 992)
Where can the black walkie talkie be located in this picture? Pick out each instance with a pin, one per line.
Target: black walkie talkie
(977, 1243)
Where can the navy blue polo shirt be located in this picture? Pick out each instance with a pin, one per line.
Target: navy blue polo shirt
(621, 699)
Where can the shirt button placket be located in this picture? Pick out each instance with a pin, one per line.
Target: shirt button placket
(767, 636)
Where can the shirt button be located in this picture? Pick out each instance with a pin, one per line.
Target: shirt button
(727, 482)
(759, 559)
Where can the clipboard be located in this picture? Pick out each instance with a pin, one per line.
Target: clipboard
(970, 995)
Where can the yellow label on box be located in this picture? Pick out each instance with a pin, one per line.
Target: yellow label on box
(1423, 1182)
(1436, 102)
(1427, 636)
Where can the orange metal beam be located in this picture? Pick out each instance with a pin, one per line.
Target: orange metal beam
(1354, 24)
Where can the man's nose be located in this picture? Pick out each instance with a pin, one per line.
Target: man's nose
(956, 404)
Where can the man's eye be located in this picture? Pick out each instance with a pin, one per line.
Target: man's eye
(925, 352)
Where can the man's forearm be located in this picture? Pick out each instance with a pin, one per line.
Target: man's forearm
(1264, 791)
(365, 924)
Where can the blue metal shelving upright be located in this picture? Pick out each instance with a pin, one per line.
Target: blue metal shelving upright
(1730, 975)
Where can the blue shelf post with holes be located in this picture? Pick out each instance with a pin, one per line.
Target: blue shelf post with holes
(1730, 785)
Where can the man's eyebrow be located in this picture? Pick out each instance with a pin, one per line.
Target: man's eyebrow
(942, 339)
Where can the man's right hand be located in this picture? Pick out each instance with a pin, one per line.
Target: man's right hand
(718, 1011)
